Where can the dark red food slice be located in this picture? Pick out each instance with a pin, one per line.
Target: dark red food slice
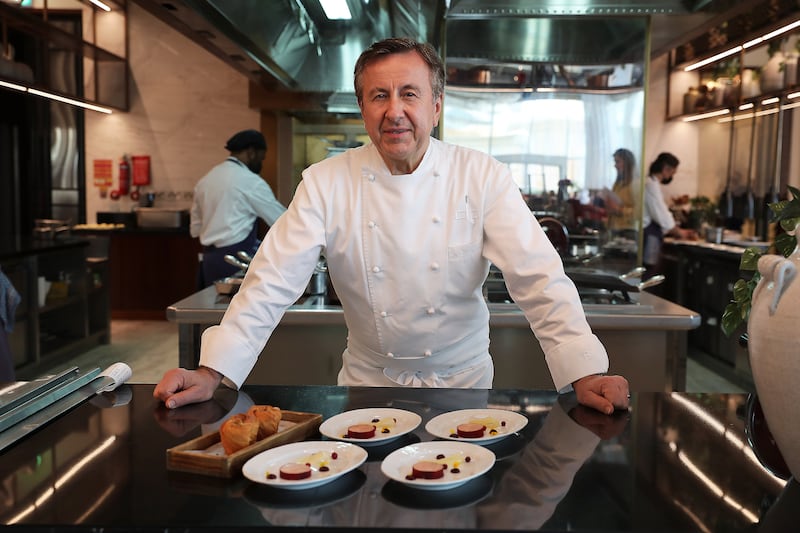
(470, 430)
(361, 431)
(428, 470)
(295, 471)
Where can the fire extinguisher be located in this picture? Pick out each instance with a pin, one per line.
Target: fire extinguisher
(124, 178)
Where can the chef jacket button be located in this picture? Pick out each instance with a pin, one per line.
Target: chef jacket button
(434, 266)
(370, 224)
(371, 177)
(390, 354)
(376, 269)
(436, 219)
(436, 174)
(384, 314)
(430, 310)
(428, 353)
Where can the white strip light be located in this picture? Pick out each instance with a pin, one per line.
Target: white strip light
(745, 46)
(335, 9)
(707, 115)
(101, 5)
(56, 97)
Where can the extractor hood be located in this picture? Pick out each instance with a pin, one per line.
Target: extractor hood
(289, 45)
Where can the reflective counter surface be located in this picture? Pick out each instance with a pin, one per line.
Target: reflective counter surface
(676, 462)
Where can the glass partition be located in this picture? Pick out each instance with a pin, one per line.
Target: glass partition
(557, 126)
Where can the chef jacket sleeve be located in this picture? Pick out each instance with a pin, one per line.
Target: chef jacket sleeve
(534, 275)
(263, 202)
(656, 206)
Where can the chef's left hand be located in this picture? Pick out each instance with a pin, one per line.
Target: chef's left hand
(603, 393)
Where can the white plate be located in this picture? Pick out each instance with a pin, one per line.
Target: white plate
(397, 422)
(444, 426)
(318, 453)
(400, 463)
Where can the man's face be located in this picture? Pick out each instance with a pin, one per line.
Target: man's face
(255, 159)
(399, 110)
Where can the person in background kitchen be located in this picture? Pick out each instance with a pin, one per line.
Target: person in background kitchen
(228, 201)
(657, 218)
(409, 225)
(621, 202)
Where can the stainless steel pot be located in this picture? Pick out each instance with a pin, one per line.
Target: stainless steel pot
(318, 284)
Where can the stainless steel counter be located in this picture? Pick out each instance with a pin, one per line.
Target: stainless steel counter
(646, 342)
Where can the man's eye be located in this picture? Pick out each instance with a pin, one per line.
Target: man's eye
(379, 97)
(410, 94)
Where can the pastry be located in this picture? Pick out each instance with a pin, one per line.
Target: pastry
(237, 432)
(268, 419)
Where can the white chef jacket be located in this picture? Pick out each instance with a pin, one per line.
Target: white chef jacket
(655, 208)
(407, 256)
(227, 201)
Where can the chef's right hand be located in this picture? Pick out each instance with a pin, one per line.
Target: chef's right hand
(180, 386)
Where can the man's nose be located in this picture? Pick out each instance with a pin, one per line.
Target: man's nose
(396, 108)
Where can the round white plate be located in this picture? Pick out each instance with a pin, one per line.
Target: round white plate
(396, 422)
(504, 422)
(399, 464)
(317, 453)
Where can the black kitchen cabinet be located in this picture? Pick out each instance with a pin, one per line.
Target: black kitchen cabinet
(65, 306)
(702, 279)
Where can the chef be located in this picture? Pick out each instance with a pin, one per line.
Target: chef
(409, 226)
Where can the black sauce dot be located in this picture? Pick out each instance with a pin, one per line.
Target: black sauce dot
(467, 459)
(503, 423)
(376, 420)
(334, 455)
(455, 471)
(323, 469)
(454, 435)
(493, 432)
(410, 477)
(271, 476)
(385, 430)
(440, 456)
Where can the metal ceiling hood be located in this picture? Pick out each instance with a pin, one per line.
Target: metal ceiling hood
(290, 44)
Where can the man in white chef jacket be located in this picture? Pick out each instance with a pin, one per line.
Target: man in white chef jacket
(409, 226)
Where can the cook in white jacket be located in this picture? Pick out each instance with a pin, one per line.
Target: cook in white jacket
(409, 226)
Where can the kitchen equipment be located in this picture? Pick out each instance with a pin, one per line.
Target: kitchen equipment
(635, 273)
(50, 228)
(714, 234)
(157, 217)
(228, 286)
(244, 256)
(235, 262)
(318, 284)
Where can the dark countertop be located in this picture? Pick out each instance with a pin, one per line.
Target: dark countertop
(675, 463)
(15, 247)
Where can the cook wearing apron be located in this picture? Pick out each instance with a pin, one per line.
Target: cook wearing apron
(657, 218)
(407, 256)
(228, 201)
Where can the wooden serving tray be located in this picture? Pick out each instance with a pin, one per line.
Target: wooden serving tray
(205, 455)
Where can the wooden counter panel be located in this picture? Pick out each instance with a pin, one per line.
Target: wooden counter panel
(150, 271)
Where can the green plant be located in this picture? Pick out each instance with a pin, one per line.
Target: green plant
(787, 213)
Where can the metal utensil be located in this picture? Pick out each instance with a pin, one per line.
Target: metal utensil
(244, 256)
(652, 282)
(235, 262)
(635, 273)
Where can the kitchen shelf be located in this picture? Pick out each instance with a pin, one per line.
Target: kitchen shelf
(63, 327)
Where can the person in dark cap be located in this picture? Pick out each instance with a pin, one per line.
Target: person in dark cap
(228, 201)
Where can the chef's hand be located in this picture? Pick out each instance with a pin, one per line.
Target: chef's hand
(180, 386)
(603, 393)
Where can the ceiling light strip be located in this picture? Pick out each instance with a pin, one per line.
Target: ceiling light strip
(711, 114)
(56, 97)
(101, 5)
(748, 44)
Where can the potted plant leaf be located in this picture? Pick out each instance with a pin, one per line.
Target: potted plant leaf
(787, 214)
